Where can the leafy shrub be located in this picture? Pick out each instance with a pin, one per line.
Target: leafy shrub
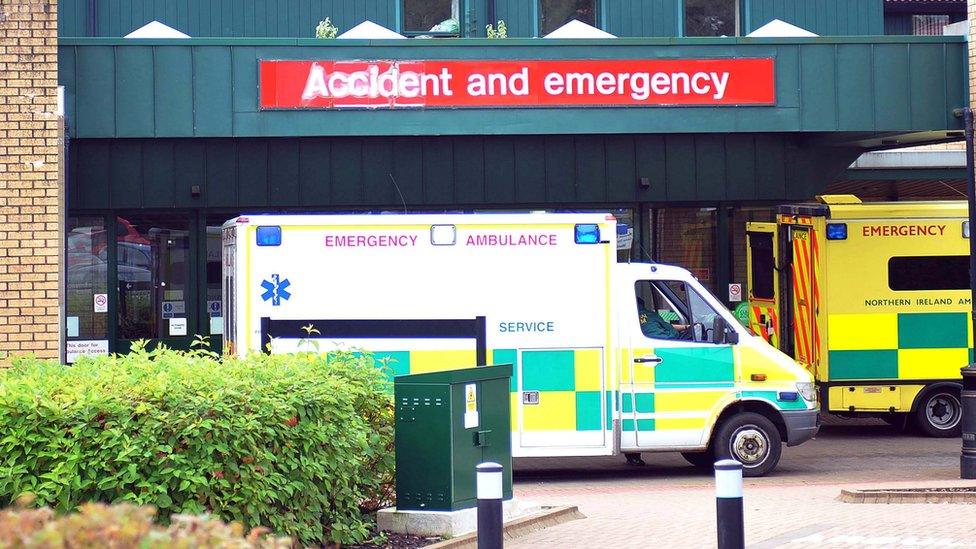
(298, 443)
(500, 32)
(326, 29)
(124, 526)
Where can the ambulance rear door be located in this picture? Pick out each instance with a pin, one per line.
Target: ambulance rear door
(797, 250)
(762, 258)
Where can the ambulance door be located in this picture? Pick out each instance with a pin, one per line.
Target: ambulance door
(681, 368)
(800, 302)
(761, 261)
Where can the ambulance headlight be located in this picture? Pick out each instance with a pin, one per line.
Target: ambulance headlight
(965, 229)
(807, 390)
(269, 236)
(587, 233)
(836, 231)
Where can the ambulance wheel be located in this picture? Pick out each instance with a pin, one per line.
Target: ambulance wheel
(752, 440)
(939, 413)
(701, 460)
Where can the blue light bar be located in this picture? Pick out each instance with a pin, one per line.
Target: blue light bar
(836, 231)
(269, 235)
(587, 233)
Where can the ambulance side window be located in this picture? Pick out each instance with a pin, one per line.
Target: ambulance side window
(671, 310)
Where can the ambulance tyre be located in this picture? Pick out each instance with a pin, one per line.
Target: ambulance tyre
(750, 439)
(939, 413)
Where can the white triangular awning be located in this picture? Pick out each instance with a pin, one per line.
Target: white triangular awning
(156, 30)
(369, 30)
(578, 29)
(779, 29)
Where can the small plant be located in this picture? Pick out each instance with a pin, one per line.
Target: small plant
(201, 347)
(326, 29)
(500, 32)
(307, 341)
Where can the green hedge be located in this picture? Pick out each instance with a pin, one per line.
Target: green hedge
(298, 443)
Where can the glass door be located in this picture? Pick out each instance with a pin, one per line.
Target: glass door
(86, 282)
(154, 279)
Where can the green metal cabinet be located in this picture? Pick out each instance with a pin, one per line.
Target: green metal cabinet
(446, 424)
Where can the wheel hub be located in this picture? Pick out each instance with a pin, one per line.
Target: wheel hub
(942, 412)
(749, 445)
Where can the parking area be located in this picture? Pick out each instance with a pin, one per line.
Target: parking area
(668, 503)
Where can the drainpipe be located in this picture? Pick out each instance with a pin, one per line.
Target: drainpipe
(967, 461)
(92, 19)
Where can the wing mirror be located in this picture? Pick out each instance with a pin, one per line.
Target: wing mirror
(721, 333)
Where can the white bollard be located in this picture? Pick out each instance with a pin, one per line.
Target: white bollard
(728, 504)
(490, 489)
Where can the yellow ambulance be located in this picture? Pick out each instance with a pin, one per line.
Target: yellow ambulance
(873, 298)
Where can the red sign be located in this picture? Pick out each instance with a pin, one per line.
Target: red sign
(469, 83)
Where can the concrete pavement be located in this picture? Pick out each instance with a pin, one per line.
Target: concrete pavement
(669, 504)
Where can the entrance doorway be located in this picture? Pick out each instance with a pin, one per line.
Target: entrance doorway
(159, 282)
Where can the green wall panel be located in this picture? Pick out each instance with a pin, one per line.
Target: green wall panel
(212, 91)
(823, 17)
(95, 92)
(818, 84)
(315, 171)
(504, 171)
(469, 169)
(641, 17)
(298, 18)
(134, 74)
(209, 89)
(519, 16)
(893, 105)
(223, 18)
(173, 69)
(408, 169)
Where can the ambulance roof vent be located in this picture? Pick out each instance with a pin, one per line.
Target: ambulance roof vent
(838, 199)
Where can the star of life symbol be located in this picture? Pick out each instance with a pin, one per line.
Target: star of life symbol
(275, 290)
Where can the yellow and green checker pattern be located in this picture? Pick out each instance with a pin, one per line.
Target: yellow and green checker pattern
(569, 382)
(898, 345)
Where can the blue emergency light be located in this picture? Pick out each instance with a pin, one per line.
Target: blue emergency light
(788, 396)
(587, 233)
(836, 231)
(269, 235)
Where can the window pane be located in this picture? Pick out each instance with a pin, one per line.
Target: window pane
(929, 25)
(686, 237)
(87, 275)
(929, 273)
(431, 16)
(556, 13)
(152, 266)
(762, 265)
(215, 316)
(710, 17)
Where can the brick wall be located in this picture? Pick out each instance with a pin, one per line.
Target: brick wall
(30, 196)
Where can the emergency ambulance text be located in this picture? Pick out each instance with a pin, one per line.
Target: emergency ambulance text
(523, 327)
(370, 241)
(511, 240)
(903, 230)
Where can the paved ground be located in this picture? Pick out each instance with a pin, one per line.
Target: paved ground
(669, 504)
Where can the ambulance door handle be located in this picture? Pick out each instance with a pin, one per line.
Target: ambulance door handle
(651, 359)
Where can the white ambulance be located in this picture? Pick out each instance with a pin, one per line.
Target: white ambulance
(608, 357)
